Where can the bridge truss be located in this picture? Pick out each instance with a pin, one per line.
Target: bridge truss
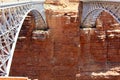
(12, 16)
(92, 9)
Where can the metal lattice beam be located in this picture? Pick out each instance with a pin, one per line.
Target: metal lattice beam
(11, 20)
(92, 9)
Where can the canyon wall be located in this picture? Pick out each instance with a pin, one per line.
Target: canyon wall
(69, 52)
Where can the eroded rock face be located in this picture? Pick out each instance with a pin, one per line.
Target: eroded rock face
(68, 52)
(100, 48)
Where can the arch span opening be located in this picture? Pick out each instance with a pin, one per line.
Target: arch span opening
(90, 20)
(26, 59)
(101, 44)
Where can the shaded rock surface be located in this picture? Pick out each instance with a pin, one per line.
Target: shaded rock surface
(68, 52)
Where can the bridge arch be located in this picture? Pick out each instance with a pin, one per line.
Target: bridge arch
(92, 16)
(94, 8)
(12, 16)
(35, 13)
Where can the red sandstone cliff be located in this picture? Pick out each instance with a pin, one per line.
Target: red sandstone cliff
(70, 53)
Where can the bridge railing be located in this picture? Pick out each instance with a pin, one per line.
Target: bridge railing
(10, 1)
(4, 3)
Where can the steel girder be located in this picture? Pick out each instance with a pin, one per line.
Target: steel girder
(11, 20)
(91, 10)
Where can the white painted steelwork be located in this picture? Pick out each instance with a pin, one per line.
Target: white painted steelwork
(12, 16)
(91, 10)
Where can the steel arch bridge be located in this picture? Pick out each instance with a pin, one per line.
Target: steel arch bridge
(93, 8)
(12, 16)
